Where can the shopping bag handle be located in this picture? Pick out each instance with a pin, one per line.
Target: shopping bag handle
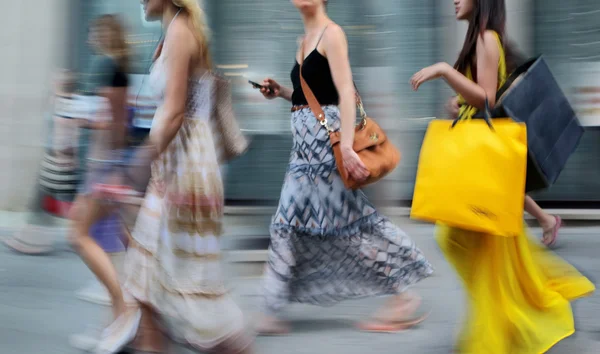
(487, 115)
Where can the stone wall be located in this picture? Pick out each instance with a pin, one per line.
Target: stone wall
(33, 41)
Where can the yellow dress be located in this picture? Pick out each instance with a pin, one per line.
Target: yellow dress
(519, 293)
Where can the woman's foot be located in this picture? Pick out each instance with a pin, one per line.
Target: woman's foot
(16, 245)
(271, 326)
(31, 240)
(87, 340)
(551, 229)
(120, 333)
(398, 315)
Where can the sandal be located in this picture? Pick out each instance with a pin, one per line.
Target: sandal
(550, 235)
(120, 333)
(17, 244)
(272, 327)
(395, 320)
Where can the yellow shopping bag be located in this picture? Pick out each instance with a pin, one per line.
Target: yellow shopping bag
(471, 175)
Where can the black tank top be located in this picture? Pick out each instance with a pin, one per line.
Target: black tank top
(317, 74)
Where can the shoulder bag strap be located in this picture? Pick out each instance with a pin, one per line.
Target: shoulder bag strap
(313, 103)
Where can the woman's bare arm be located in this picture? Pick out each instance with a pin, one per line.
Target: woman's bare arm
(475, 93)
(180, 46)
(336, 50)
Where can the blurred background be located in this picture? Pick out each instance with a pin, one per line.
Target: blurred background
(251, 39)
(389, 41)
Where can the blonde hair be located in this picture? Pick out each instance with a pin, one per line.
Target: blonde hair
(200, 28)
(117, 45)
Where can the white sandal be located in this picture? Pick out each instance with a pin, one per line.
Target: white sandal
(120, 333)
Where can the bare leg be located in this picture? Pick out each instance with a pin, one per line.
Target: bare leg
(89, 211)
(149, 338)
(545, 220)
(549, 223)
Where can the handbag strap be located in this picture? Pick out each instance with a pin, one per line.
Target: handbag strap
(314, 104)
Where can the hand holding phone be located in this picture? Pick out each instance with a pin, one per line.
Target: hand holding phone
(269, 88)
(262, 88)
(256, 85)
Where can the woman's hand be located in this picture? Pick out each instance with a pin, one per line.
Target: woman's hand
(271, 89)
(429, 73)
(354, 166)
(452, 107)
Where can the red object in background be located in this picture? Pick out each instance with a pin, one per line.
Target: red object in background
(56, 207)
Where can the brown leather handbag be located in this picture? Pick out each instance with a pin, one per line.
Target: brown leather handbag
(371, 144)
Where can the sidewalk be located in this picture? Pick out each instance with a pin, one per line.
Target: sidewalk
(247, 220)
(39, 310)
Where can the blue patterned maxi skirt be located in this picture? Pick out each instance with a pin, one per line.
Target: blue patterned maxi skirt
(329, 243)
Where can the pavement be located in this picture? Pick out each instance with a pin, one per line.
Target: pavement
(39, 310)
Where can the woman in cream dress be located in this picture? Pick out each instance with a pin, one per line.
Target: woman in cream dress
(173, 262)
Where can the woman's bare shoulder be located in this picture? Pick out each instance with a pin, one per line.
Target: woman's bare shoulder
(180, 37)
(487, 45)
(334, 32)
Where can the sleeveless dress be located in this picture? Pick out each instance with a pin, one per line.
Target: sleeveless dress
(173, 265)
(329, 243)
(518, 291)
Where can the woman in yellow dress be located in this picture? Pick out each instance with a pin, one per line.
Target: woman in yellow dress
(519, 293)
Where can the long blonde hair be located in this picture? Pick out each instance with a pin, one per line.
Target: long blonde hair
(200, 28)
(116, 45)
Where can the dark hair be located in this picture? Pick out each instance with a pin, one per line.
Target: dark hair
(487, 15)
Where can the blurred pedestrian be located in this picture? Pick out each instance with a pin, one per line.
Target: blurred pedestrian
(95, 144)
(519, 294)
(329, 243)
(109, 84)
(59, 177)
(173, 262)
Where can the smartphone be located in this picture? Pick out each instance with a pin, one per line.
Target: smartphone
(256, 85)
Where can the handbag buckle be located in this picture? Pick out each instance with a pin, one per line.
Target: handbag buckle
(327, 127)
(362, 125)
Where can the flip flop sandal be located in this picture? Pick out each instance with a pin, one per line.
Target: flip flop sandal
(376, 326)
(23, 247)
(272, 329)
(553, 232)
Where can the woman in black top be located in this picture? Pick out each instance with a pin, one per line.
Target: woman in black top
(328, 243)
(109, 84)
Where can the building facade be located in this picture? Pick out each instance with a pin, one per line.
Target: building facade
(389, 41)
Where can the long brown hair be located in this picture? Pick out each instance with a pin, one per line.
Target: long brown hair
(116, 45)
(487, 15)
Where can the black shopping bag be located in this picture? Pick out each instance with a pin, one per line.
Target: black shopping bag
(532, 95)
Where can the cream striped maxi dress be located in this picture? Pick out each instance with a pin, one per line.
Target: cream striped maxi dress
(174, 263)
